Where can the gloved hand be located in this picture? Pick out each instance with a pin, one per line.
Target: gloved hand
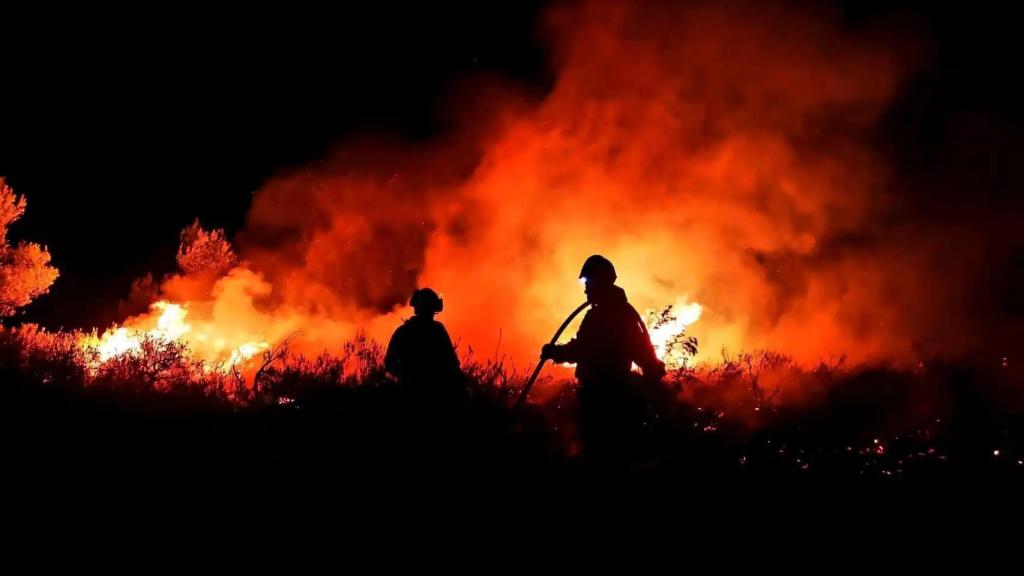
(548, 352)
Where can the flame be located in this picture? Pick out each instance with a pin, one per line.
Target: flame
(667, 326)
(717, 157)
(168, 321)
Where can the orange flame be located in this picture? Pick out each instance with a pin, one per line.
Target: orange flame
(663, 333)
(698, 148)
(167, 321)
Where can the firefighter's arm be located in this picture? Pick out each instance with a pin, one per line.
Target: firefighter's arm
(568, 352)
(572, 350)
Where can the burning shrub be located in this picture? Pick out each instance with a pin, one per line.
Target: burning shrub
(156, 364)
(667, 328)
(50, 357)
(25, 271)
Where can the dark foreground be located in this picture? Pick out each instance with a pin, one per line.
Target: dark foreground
(118, 465)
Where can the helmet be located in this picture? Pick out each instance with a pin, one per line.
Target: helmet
(598, 268)
(428, 299)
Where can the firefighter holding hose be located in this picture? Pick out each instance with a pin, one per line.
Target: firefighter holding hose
(611, 338)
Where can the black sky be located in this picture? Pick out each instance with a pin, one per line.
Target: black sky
(121, 127)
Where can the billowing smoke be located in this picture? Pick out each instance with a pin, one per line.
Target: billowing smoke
(716, 153)
(713, 152)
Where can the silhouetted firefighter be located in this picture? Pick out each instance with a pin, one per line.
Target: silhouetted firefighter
(421, 354)
(610, 340)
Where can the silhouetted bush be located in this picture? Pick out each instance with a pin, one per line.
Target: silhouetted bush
(755, 417)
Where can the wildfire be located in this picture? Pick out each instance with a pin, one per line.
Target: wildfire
(168, 322)
(668, 332)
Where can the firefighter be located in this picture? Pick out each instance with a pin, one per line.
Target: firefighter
(611, 338)
(420, 354)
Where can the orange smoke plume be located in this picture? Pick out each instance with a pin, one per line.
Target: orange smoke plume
(715, 154)
(718, 154)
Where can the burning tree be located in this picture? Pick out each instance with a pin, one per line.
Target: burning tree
(205, 251)
(25, 271)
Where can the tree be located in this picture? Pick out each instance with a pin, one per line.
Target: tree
(201, 251)
(25, 271)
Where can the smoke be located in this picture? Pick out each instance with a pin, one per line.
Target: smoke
(716, 153)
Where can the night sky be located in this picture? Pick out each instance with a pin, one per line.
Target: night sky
(121, 128)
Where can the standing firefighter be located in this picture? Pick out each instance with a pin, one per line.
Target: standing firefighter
(421, 354)
(611, 338)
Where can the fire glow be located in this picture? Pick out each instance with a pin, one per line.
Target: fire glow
(715, 158)
(168, 322)
(664, 333)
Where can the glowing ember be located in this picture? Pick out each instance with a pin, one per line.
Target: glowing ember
(167, 321)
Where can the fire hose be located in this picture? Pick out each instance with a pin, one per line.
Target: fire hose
(554, 340)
